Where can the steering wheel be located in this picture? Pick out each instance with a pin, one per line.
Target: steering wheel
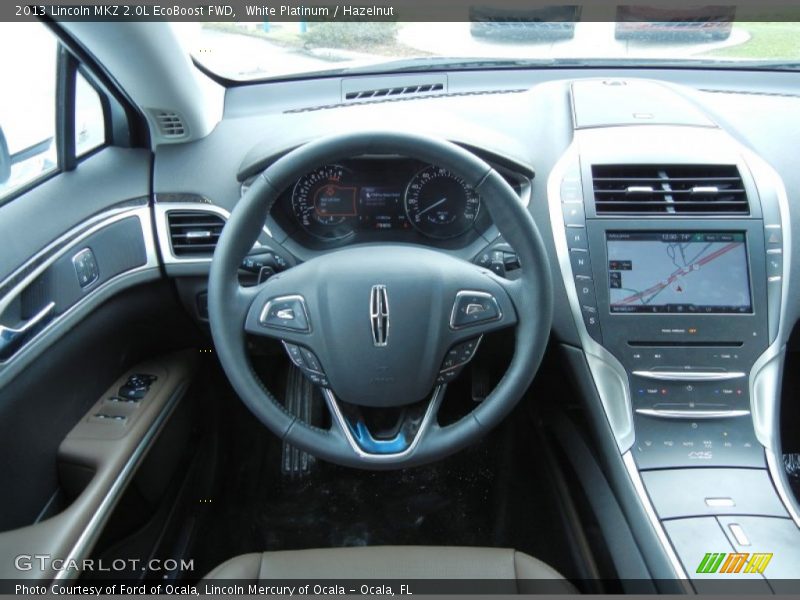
(381, 327)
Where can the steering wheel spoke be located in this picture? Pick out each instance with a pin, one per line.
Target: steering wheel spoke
(395, 442)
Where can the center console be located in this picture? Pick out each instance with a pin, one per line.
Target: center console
(671, 241)
(683, 307)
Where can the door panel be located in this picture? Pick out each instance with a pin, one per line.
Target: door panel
(42, 404)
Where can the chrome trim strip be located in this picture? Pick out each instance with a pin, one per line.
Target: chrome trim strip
(776, 470)
(767, 372)
(689, 375)
(430, 413)
(638, 485)
(691, 414)
(8, 335)
(66, 242)
(95, 525)
(608, 373)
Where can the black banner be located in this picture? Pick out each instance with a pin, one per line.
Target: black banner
(396, 10)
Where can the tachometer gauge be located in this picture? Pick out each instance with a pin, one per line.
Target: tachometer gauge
(439, 204)
(325, 202)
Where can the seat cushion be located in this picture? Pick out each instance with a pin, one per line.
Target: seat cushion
(395, 562)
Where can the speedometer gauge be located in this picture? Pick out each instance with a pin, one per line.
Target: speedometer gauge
(324, 201)
(439, 204)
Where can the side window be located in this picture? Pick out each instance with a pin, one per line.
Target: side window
(90, 126)
(27, 105)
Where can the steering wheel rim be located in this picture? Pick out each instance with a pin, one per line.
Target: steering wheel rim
(230, 306)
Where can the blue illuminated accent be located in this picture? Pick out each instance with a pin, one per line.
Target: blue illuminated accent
(369, 444)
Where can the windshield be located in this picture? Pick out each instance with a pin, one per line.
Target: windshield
(248, 51)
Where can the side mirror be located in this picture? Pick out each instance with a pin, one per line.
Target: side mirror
(5, 159)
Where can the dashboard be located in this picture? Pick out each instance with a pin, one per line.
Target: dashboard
(664, 201)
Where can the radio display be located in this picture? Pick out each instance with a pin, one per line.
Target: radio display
(678, 272)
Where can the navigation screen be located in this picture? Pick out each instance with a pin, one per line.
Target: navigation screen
(678, 272)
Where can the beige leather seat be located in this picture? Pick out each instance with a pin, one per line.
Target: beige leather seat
(396, 562)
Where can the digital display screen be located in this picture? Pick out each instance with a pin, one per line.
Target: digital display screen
(381, 208)
(678, 272)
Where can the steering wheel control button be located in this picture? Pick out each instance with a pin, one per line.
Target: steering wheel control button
(472, 308)
(461, 354)
(295, 355)
(446, 376)
(457, 357)
(305, 360)
(311, 360)
(317, 378)
(286, 312)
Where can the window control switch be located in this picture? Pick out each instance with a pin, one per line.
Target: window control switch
(111, 418)
(116, 400)
(132, 393)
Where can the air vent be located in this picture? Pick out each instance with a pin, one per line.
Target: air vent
(408, 90)
(194, 233)
(170, 124)
(669, 190)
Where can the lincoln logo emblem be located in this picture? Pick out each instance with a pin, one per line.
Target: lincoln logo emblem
(379, 314)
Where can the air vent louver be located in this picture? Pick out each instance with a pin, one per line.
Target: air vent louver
(669, 190)
(170, 124)
(194, 233)
(406, 90)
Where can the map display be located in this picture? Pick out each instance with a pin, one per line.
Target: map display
(678, 272)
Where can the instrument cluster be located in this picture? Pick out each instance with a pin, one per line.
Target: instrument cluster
(381, 198)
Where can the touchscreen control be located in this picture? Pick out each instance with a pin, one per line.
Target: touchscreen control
(678, 272)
